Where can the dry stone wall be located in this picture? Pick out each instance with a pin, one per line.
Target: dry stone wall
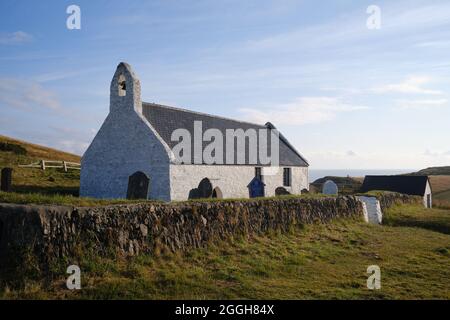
(54, 233)
(389, 199)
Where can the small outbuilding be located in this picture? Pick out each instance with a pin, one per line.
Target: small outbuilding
(411, 185)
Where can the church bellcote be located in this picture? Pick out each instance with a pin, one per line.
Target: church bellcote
(125, 91)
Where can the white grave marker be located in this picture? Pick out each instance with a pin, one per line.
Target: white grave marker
(329, 187)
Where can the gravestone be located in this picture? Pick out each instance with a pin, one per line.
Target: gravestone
(281, 191)
(194, 194)
(372, 209)
(205, 188)
(217, 193)
(6, 182)
(138, 186)
(329, 187)
(256, 188)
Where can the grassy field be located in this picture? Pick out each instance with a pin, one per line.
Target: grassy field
(441, 191)
(444, 195)
(440, 183)
(60, 199)
(322, 261)
(34, 180)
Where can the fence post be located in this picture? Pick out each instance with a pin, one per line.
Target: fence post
(43, 164)
(65, 166)
(6, 180)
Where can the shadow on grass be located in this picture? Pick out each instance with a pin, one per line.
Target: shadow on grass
(437, 225)
(47, 190)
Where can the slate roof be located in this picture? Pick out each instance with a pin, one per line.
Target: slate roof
(412, 185)
(165, 120)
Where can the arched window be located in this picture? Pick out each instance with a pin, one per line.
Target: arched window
(122, 86)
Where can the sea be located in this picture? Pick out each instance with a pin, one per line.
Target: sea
(315, 174)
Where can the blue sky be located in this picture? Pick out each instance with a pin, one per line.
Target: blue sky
(345, 95)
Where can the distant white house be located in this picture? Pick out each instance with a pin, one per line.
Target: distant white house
(133, 155)
(411, 185)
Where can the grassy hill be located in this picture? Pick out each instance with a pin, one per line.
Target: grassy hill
(442, 198)
(345, 184)
(51, 181)
(440, 182)
(318, 261)
(434, 171)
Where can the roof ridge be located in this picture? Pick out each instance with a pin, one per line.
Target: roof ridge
(202, 113)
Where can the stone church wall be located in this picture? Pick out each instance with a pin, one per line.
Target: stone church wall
(232, 180)
(125, 143)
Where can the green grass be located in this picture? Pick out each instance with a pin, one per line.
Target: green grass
(62, 199)
(69, 200)
(444, 195)
(320, 261)
(442, 199)
(411, 216)
(35, 180)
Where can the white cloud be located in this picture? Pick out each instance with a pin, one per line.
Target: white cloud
(17, 37)
(412, 85)
(25, 94)
(304, 110)
(398, 19)
(421, 104)
(436, 154)
(64, 74)
(433, 44)
(418, 17)
(72, 146)
(70, 139)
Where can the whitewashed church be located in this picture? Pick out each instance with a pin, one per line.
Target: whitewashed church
(134, 154)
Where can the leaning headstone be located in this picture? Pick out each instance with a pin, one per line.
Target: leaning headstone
(329, 187)
(6, 182)
(280, 191)
(372, 210)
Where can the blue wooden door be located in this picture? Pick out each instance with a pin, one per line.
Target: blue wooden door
(256, 188)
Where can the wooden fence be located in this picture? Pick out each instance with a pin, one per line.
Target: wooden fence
(44, 164)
